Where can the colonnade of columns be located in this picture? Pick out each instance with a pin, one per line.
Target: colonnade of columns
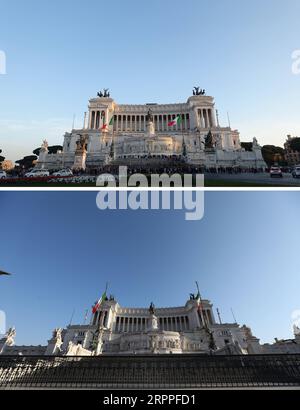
(137, 123)
(206, 118)
(206, 314)
(97, 119)
(138, 324)
(100, 318)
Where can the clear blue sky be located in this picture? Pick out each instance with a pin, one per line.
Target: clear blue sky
(60, 53)
(62, 250)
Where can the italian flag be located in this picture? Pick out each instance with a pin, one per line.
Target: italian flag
(99, 303)
(176, 121)
(110, 123)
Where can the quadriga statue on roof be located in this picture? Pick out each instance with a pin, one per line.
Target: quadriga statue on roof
(198, 91)
(104, 94)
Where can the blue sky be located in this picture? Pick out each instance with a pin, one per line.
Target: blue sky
(60, 53)
(62, 250)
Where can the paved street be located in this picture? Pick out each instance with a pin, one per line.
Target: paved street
(259, 179)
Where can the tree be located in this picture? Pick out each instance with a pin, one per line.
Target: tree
(273, 154)
(27, 162)
(52, 150)
(112, 150)
(295, 144)
(209, 143)
(184, 150)
(1, 158)
(247, 146)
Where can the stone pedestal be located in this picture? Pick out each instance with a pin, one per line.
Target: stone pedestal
(153, 323)
(79, 162)
(150, 128)
(43, 155)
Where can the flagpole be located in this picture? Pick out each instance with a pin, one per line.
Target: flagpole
(100, 327)
(200, 305)
(72, 317)
(233, 316)
(85, 317)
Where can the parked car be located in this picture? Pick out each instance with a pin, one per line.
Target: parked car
(276, 172)
(63, 173)
(37, 173)
(2, 174)
(296, 172)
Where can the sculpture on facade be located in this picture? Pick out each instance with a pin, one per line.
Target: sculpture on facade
(211, 340)
(150, 124)
(193, 296)
(209, 141)
(218, 143)
(45, 145)
(152, 309)
(184, 149)
(296, 330)
(154, 322)
(57, 341)
(255, 143)
(10, 336)
(57, 336)
(81, 143)
(104, 94)
(149, 117)
(197, 91)
(8, 340)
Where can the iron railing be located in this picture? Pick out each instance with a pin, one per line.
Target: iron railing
(154, 371)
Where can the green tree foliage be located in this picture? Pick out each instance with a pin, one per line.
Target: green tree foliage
(27, 162)
(112, 150)
(184, 150)
(295, 144)
(1, 158)
(247, 146)
(273, 154)
(52, 150)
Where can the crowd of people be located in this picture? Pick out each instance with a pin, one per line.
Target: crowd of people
(173, 168)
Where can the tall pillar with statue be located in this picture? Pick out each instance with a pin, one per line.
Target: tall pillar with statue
(80, 154)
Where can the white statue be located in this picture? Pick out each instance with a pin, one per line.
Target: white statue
(100, 343)
(8, 340)
(77, 350)
(43, 153)
(45, 145)
(150, 123)
(218, 141)
(154, 322)
(57, 336)
(296, 330)
(255, 143)
(10, 336)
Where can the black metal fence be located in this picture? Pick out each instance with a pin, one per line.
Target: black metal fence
(157, 371)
